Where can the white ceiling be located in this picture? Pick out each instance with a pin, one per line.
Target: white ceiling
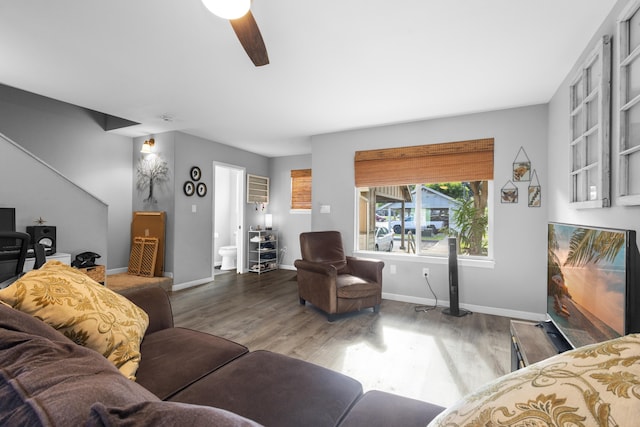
(335, 64)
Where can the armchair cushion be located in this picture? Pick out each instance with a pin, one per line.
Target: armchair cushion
(324, 247)
(349, 286)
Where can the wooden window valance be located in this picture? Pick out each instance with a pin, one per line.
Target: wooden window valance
(423, 164)
(301, 189)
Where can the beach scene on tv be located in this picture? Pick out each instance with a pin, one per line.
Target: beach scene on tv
(586, 282)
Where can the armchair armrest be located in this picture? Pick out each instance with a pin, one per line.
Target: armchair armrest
(367, 268)
(155, 302)
(317, 284)
(316, 267)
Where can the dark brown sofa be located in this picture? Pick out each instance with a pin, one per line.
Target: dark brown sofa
(185, 377)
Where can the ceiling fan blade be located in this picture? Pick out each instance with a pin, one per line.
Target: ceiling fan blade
(249, 35)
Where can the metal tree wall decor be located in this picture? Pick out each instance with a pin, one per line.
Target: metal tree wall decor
(151, 170)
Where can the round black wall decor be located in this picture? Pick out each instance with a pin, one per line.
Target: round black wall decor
(196, 173)
(189, 188)
(201, 189)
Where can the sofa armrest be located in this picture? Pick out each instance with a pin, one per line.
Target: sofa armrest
(155, 302)
(366, 268)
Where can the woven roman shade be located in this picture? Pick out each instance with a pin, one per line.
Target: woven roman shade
(301, 189)
(424, 164)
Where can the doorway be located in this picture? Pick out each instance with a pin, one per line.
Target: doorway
(228, 214)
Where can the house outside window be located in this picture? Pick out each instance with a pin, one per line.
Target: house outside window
(444, 210)
(421, 215)
(301, 190)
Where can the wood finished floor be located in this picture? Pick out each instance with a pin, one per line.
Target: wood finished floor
(427, 356)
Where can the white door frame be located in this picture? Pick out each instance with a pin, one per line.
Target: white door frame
(240, 238)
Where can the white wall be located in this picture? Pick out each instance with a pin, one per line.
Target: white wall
(516, 284)
(558, 149)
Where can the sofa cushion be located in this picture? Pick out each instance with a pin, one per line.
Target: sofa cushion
(182, 356)
(378, 408)
(46, 379)
(276, 390)
(85, 311)
(592, 385)
(154, 414)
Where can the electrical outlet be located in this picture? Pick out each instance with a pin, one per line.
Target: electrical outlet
(425, 272)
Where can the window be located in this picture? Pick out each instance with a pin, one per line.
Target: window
(590, 101)
(629, 70)
(423, 195)
(301, 189)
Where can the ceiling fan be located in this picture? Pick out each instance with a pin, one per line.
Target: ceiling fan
(244, 25)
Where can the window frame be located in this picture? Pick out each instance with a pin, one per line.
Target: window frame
(584, 127)
(627, 55)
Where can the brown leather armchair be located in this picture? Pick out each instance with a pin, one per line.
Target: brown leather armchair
(333, 282)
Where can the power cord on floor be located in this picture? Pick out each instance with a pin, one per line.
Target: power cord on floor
(425, 308)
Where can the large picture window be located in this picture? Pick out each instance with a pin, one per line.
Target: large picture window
(590, 100)
(629, 70)
(411, 199)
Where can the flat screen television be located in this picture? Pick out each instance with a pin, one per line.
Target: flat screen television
(592, 282)
(7, 223)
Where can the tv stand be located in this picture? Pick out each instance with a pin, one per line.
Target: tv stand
(531, 343)
(558, 341)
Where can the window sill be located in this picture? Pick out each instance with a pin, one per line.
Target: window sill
(300, 211)
(463, 261)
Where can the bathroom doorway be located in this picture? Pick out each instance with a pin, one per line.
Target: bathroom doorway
(228, 216)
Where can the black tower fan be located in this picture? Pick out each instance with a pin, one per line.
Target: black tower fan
(454, 307)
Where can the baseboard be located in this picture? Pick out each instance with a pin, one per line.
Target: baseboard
(287, 267)
(125, 269)
(514, 314)
(186, 285)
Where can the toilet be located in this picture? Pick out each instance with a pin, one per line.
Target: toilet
(228, 254)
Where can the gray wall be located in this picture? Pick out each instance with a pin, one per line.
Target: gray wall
(35, 190)
(289, 224)
(515, 283)
(70, 140)
(189, 255)
(558, 152)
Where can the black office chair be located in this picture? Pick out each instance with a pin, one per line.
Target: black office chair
(40, 255)
(13, 252)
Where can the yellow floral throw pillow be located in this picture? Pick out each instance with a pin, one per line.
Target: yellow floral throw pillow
(595, 385)
(83, 310)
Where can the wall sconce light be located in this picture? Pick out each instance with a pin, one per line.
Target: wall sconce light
(147, 146)
(268, 221)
